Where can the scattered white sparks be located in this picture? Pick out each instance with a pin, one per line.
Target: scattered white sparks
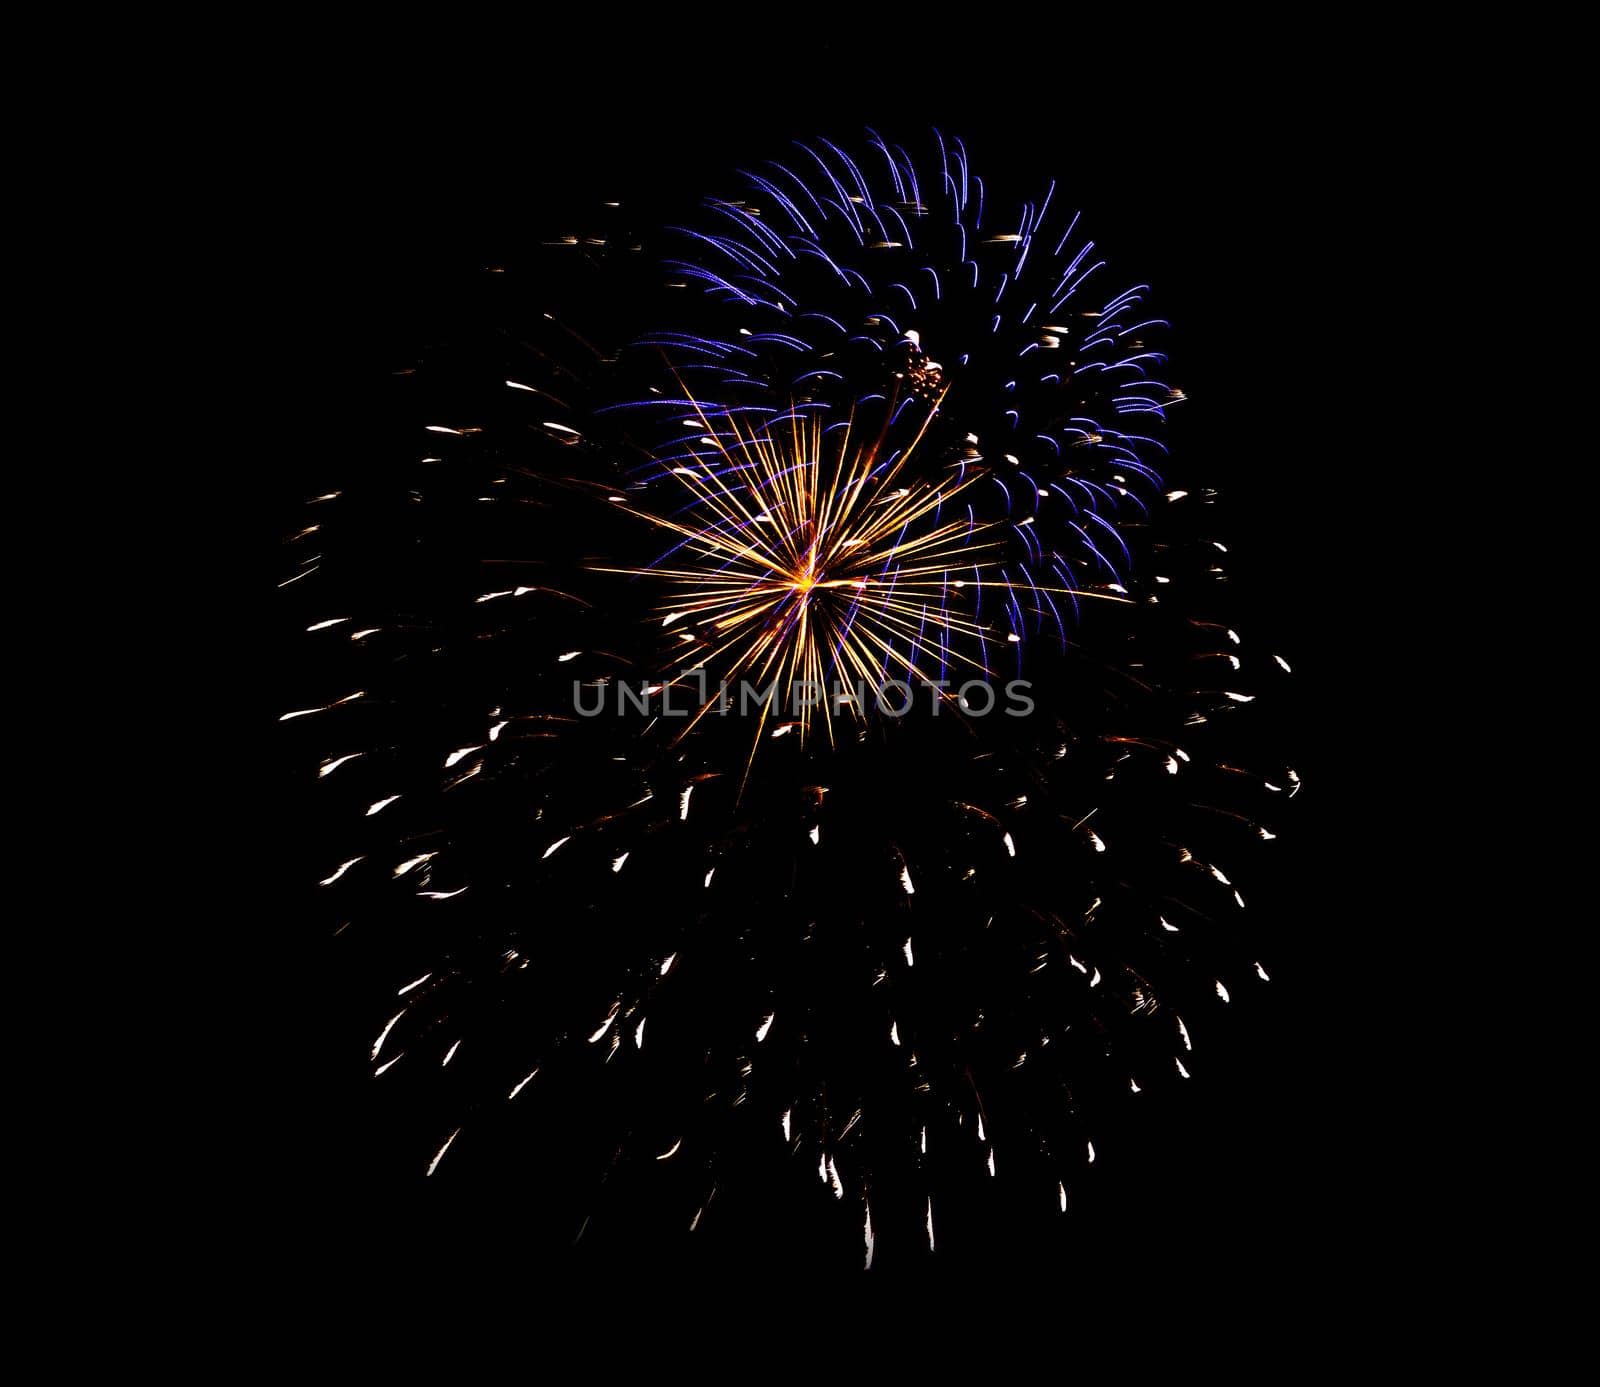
(433, 1165)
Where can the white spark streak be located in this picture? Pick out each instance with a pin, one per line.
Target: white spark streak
(667, 963)
(638, 1035)
(1183, 1032)
(1061, 1190)
(381, 804)
(894, 1032)
(982, 1136)
(707, 883)
(329, 767)
(683, 802)
(816, 834)
(558, 842)
(868, 1235)
(442, 895)
(668, 1154)
(323, 625)
(1099, 845)
(570, 655)
(616, 862)
(905, 881)
(833, 1175)
(461, 754)
(1181, 1069)
(450, 1054)
(1283, 664)
(606, 1024)
(910, 962)
(344, 867)
(764, 1027)
(434, 1164)
(1242, 698)
(991, 1162)
(497, 729)
(383, 1035)
(522, 1085)
(930, 1225)
(1010, 846)
(1091, 1152)
(411, 862)
(786, 1115)
(410, 985)
(1262, 973)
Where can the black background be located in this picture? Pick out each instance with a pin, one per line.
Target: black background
(1234, 193)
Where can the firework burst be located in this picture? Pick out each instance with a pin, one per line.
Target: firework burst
(896, 436)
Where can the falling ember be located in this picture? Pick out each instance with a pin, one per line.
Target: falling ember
(343, 868)
(433, 1165)
(383, 1035)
